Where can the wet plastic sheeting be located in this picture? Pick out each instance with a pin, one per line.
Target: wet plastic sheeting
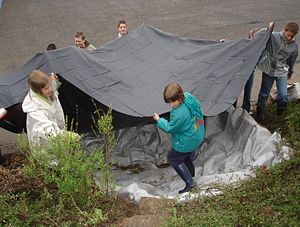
(234, 144)
(141, 145)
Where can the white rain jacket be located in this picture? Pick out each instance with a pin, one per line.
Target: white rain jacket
(44, 117)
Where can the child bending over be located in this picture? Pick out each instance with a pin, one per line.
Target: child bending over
(186, 126)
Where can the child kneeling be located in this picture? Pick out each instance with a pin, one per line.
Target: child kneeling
(186, 126)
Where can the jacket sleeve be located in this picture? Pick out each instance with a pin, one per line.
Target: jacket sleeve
(174, 125)
(60, 117)
(291, 61)
(42, 125)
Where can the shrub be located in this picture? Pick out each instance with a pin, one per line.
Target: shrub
(71, 192)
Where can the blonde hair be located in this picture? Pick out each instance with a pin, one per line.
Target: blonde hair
(37, 80)
(173, 92)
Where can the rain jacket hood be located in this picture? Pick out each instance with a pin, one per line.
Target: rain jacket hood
(193, 104)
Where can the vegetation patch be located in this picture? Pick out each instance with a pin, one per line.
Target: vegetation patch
(57, 184)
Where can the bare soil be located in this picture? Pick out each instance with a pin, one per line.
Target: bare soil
(13, 180)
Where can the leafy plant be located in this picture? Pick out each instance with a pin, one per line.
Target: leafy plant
(72, 193)
(23, 143)
(105, 130)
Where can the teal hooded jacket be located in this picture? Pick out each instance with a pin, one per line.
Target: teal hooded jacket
(186, 125)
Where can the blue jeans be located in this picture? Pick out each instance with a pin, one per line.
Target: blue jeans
(265, 89)
(247, 93)
(176, 158)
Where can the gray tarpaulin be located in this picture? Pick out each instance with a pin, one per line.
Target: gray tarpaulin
(130, 73)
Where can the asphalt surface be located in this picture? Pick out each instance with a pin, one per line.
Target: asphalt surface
(28, 26)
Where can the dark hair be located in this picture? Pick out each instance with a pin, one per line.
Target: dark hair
(173, 92)
(82, 36)
(51, 46)
(291, 27)
(121, 22)
(37, 80)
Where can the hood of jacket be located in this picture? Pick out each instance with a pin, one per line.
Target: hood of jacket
(193, 105)
(34, 101)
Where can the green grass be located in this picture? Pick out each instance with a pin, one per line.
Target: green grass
(272, 198)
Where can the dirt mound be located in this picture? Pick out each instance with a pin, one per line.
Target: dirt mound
(11, 177)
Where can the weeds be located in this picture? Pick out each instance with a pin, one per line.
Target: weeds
(71, 193)
(104, 130)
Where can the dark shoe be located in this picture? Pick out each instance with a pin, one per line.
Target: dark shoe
(187, 188)
(185, 175)
(260, 116)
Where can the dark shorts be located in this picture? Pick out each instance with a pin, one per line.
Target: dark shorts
(176, 158)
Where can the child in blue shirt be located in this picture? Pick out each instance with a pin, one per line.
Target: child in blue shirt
(186, 126)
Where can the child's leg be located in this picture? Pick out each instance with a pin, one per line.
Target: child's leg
(176, 159)
(188, 161)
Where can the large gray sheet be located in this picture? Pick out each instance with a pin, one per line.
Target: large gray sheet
(130, 73)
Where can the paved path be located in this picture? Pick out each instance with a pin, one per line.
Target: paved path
(27, 26)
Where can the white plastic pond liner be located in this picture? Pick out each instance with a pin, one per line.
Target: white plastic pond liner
(234, 144)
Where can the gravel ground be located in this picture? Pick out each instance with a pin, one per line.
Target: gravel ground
(27, 26)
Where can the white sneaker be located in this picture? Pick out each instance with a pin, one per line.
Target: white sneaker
(2, 112)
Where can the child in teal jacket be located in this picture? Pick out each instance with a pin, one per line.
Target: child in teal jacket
(186, 126)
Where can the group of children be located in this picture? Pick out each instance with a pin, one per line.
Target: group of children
(45, 119)
(186, 124)
(81, 42)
